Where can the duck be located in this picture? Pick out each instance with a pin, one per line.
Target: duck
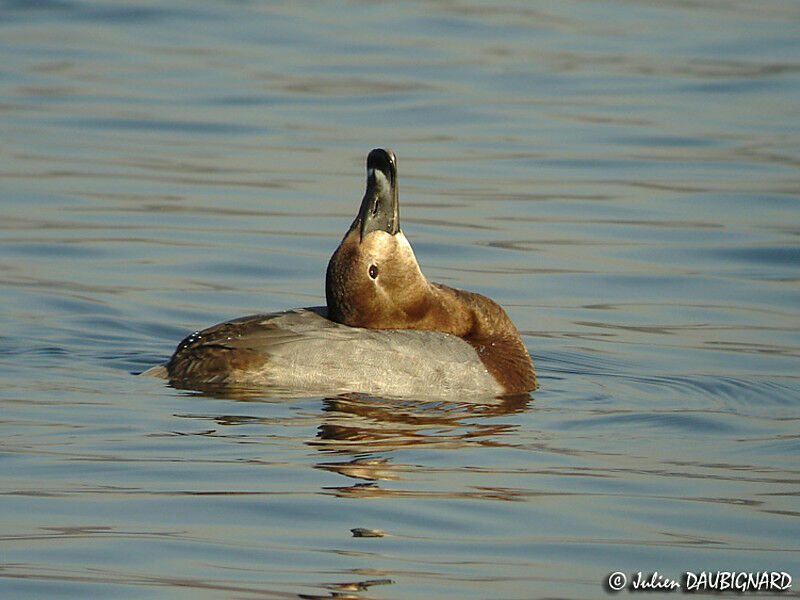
(385, 329)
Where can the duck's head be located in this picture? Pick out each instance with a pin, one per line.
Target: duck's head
(373, 278)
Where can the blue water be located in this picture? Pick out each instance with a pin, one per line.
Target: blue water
(621, 176)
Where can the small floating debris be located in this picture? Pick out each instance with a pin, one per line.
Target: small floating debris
(363, 532)
(360, 586)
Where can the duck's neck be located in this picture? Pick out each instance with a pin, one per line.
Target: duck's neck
(467, 314)
(482, 323)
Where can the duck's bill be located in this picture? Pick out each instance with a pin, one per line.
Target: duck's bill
(380, 210)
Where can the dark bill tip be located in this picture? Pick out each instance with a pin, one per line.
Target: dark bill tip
(384, 161)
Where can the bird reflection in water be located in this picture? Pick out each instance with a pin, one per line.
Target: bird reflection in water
(357, 434)
(364, 424)
(368, 423)
(357, 424)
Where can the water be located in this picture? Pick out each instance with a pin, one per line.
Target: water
(621, 176)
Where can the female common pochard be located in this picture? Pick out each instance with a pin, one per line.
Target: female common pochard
(386, 329)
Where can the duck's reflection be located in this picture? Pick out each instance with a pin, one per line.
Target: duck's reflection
(356, 435)
(369, 424)
(365, 424)
(361, 425)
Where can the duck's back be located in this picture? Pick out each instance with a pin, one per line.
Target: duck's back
(303, 349)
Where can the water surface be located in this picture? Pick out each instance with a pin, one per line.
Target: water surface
(621, 176)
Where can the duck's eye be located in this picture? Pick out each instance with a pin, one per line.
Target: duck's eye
(373, 271)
